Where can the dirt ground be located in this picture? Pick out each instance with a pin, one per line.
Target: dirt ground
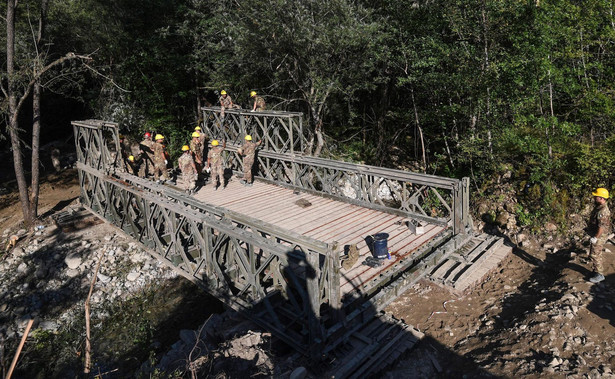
(536, 315)
(56, 192)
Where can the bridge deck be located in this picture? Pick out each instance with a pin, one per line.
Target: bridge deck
(326, 220)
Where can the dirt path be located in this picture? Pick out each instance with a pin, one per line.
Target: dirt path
(57, 191)
(535, 315)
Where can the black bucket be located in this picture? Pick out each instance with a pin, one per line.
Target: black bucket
(381, 250)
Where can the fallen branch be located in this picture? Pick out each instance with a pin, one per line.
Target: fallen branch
(23, 341)
(88, 358)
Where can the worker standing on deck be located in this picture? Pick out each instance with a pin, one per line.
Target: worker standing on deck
(259, 102)
(133, 165)
(214, 162)
(160, 160)
(147, 153)
(196, 148)
(201, 136)
(188, 169)
(248, 151)
(125, 151)
(598, 228)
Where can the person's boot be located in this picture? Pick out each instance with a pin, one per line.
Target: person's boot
(597, 278)
(243, 182)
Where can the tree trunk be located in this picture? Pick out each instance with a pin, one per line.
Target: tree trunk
(13, 111)
(36, 117)
(418, 126)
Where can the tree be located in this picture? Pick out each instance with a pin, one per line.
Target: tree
(19, 86)
(309, 55)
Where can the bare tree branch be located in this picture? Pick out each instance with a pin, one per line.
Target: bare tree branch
(59, 61)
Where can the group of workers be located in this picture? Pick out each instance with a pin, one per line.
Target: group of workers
(153, 160)
(226, 102)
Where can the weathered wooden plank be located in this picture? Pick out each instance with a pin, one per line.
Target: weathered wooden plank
(360, 275)
(322, 213)
(315, 227)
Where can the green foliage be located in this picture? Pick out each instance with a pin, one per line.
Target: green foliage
(485, 83)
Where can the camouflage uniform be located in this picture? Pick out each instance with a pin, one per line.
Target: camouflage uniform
(147, 146)
(126, 151)
(599, 218)
(260, 104)
(248, 150)
(133, 167)
(189, 173)
(226, 102)
(196, 148)
(160, 165)
(214, 158)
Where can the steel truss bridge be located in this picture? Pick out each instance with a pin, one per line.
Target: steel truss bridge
(285, 275)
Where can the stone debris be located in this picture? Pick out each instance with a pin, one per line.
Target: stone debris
(54, 267)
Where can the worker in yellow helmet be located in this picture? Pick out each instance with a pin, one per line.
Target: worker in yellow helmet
(146, 147)
(196, 148)
(248, 151)
(160, 160)
(133, 165)
(214, 162)
(259, 102)
(226, 102)
(599, 227)
(188, 170)
(202, 135)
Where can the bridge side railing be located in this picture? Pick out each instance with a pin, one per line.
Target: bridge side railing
(328, 272)
(420, 197)
(287, 282)
(92, 142)
(280, 131)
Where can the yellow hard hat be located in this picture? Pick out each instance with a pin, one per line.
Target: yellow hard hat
(248, 138)
(601, 192)
(214, 142)
(196, 134)
(121, 136)
(185, 148)
(158, 136)
(223, 92)
(198, 128)
(253, 93)
(131, 158)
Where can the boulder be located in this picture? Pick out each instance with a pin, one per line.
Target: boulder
(73, 261)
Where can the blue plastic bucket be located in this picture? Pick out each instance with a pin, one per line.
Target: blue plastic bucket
(380, 245)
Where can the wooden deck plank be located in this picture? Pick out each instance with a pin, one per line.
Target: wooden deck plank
(339, 221)
(319, 206)
(302, 224)
(305, 217)
(361, 274)
(359, 230)
(326, 220)
(289, 200)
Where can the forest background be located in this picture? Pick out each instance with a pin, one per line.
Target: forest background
(485, 89)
